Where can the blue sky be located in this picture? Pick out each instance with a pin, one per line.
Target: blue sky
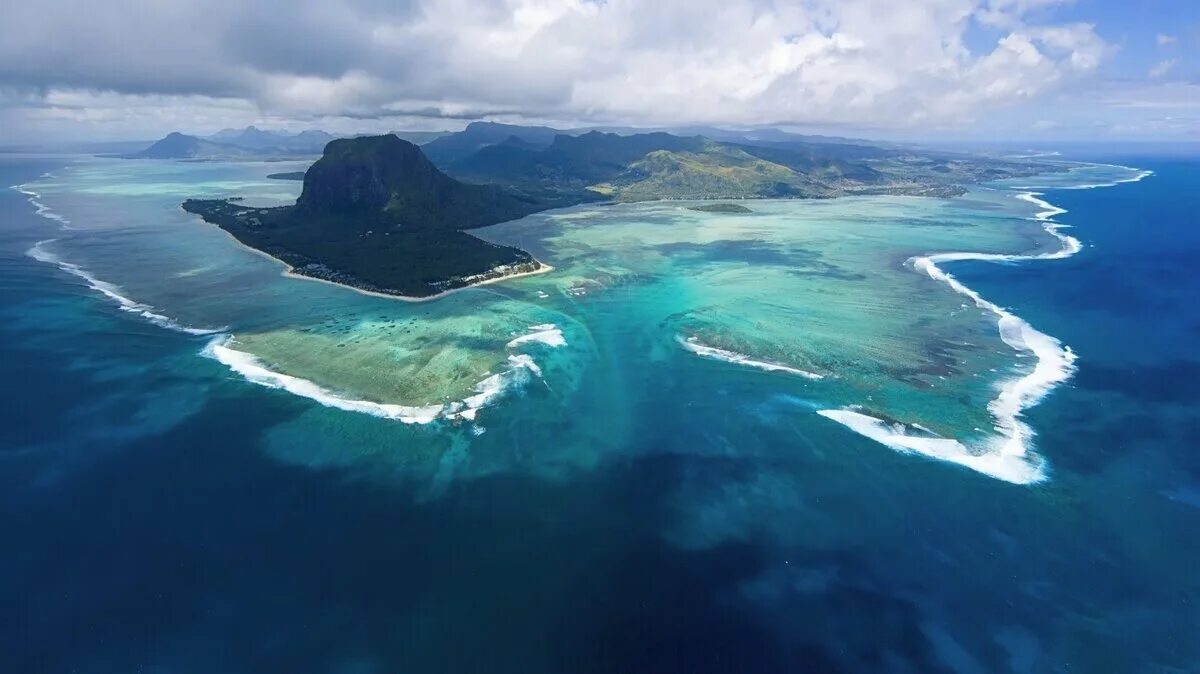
(946, 69)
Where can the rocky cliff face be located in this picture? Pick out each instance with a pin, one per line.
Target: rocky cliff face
(366, 173)
(391, 177)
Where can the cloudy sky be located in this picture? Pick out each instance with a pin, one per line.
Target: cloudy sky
(974, 69)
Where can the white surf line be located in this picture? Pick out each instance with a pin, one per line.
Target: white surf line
(40, 208)
(1141, 174)
(114, 292)
(1009, 456)
(487, 391)
(109, 290)
(548, 334)
(694, 345)
(255, 371)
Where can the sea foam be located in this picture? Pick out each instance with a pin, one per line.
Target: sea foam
(1138, 175)
(40, 208)
(1009, 454)
(254, 370)
(113, 292)
(694, 345)
(490, 389)
(487, 391)
(548, 334)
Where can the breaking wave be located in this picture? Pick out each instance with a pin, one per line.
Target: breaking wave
(521, 369)
(1009, 454)
(113, 292)
(1139, 174)
(694, 345)
(548, 334)
(41, 208)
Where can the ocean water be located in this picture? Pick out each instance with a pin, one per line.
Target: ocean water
(632, 463)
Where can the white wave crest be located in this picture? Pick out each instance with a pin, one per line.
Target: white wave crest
(1138, 174)
(253, 370)
(40, 208)
(492, 388)
(1009, 454)
(113, 292)
(694, 345)
(1016, 469)
(487, 391)
(548, 334)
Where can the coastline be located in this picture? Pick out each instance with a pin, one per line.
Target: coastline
(1009, 455)
(290, 272)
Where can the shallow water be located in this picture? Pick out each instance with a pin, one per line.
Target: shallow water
(628, 504)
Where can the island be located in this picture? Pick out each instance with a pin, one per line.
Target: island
(376, 215)
(382, 215)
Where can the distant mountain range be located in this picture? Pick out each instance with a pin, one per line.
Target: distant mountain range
(563, 167)
(305, 142)
(252, 143)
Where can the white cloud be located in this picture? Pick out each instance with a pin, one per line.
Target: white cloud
(859, 63)
(1164, 40)
(1161, 69)
(1161, 96)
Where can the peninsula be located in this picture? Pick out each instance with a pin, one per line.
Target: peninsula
(380, 214)
(376, 215)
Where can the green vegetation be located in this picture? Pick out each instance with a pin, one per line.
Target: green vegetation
(595, 165)
(716, 171)
(376, 215)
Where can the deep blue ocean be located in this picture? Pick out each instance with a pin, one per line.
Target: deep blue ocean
(144, 527)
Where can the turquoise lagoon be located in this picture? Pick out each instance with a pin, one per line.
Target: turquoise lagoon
(633, 463)
(838, 306)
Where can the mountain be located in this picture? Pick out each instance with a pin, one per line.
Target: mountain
(176, 145)
(247, 143)
(447, 149)
(254, 138)
(567, 169)
(376, 212)
(384, 174)
(419, 137)
(714, 171)
(313, 138)
(253, 142)
(377, 215)
(764, 164)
